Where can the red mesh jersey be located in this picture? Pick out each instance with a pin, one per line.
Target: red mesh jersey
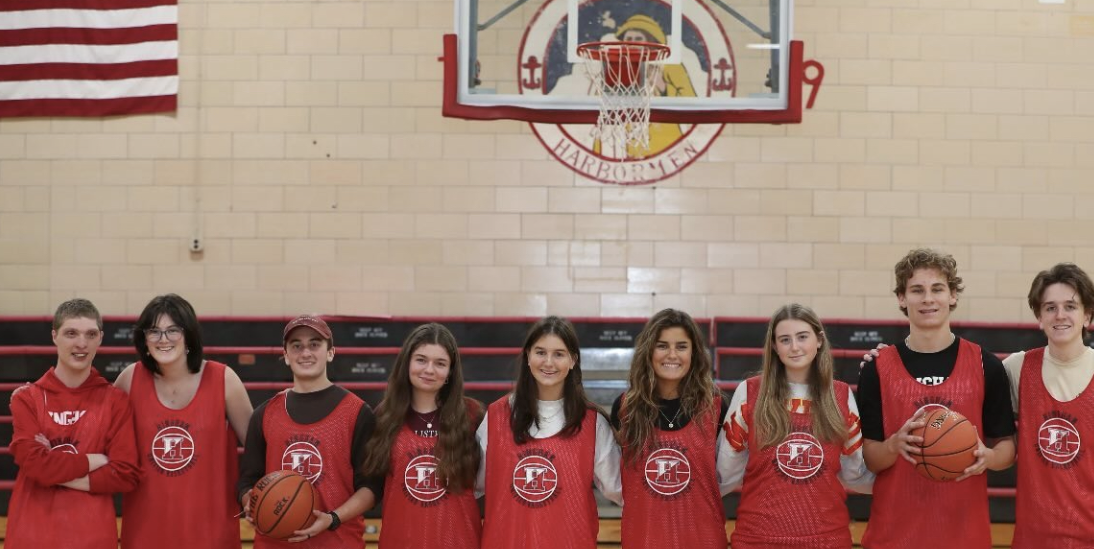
(671, 491)
(1055, 478)
(190, 465)
(792, 496)
(910, 511)
(418, 510)
(539, 495)
(320, 452)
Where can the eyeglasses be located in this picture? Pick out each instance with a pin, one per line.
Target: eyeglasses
(173, 333)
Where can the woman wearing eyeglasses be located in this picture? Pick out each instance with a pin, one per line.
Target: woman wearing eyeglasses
(189, 414)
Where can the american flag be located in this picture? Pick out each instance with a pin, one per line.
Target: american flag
(88, 57)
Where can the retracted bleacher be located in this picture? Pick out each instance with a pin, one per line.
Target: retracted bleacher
(366, 348)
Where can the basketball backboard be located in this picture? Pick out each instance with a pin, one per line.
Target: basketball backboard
(729, 60)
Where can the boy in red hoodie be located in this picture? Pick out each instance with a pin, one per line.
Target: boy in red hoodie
(74, 444)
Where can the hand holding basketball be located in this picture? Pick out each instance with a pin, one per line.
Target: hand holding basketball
(282, 505)
(905, 442)
(246, 503)
(320, 523)
(950, 447)
(982, 453)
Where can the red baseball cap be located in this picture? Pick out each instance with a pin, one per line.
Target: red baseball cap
(309, 321)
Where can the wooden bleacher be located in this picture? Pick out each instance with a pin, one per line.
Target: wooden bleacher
(1001, 534)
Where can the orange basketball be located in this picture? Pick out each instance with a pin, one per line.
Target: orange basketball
(282, 503)
(949, 443)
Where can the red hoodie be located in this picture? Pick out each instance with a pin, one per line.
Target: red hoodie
(94, 418)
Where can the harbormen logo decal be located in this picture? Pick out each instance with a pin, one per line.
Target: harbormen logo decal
(707, 69)
(420, 479)
(1058, 440)
(535, 478)
(302, 456)
(173, 448)
(799, 456)
(668, 471)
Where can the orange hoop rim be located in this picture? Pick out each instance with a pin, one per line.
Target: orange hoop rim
(614, 51)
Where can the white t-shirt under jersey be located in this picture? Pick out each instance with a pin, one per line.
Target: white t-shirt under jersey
(552, 418)
(731, 462)
(1064, 380)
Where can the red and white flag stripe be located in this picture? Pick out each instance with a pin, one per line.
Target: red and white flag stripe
(88, 57)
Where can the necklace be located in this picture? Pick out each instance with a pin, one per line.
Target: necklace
(550, 418)
(672, 422)
(908, 343)
(427, 419)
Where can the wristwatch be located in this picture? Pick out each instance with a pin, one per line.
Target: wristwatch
(335, 522)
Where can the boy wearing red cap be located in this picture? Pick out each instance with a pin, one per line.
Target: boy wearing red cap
(318, 430)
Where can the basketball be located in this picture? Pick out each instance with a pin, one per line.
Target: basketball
(949, 443)
(282, 503)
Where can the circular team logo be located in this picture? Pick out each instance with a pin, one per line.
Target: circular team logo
(928, 408)
(706, 69)
(420, 479)
(64, 449)
(668, 471)
(172, 448)
(305, 459)
(535, 479)
(1058, 441)
(799, 456)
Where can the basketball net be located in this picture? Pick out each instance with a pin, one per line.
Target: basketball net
(624, 75)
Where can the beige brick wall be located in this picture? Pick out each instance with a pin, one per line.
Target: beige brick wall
(310, 157)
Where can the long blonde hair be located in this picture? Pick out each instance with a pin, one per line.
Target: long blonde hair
(771, 418)
(638, 417)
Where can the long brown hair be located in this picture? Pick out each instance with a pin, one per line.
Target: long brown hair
(639, 408)
(525, 392)
(771, 418)
(457, 451)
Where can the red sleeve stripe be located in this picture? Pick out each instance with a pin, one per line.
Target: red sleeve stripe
(851, 448)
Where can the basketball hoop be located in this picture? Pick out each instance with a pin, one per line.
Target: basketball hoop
(624, 75)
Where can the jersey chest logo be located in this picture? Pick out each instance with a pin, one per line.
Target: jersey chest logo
(799, 456)
(928, 406)
(668, 471)
(535, 478)
(1058, 441)
(420, 479)
(173, 448)
(303, 458)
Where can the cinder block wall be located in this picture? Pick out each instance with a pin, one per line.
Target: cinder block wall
(310, 156)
